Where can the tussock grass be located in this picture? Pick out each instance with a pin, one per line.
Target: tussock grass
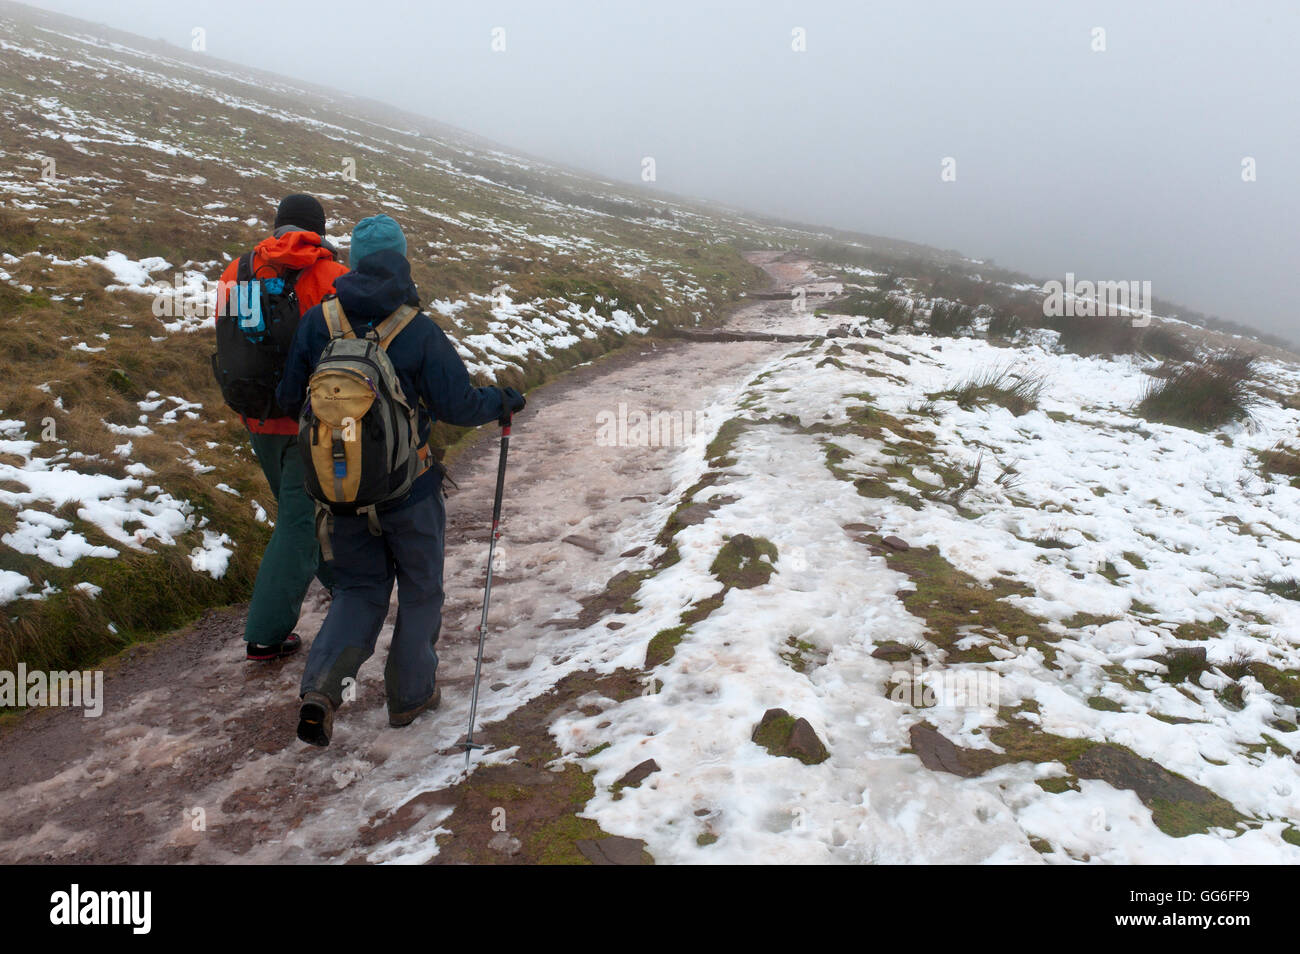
(950, 318)
(1287, 588)
(895, 311)
(1202, 394)
(1017, 392)
(1004, 325)
(1280, 459)
(1099, 335)
(1108, 335)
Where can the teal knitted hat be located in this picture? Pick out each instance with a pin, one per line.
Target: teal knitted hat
(375, 234)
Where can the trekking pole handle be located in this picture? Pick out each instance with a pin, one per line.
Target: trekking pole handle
(501, 475)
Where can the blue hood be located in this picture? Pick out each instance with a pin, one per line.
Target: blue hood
(378, 287)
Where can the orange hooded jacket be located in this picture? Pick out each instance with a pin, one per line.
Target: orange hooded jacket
(273, 256)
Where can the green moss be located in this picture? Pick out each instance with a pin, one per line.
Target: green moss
(774, 734)
(1171, 720)
(1025, 742)
(1058, 784)
(719, 451)
(1182, 818)
(741, 564)
(663, 646)
(1280, 682)
(120, 382)
(1268, 744)
(556, 842)
(1080, 620)
(704, 839)
(795, 657)
(955, 604)
(1102, 704)
(1135, 560)
(1201, 631)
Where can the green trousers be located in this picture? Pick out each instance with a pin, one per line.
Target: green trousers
(292, 557)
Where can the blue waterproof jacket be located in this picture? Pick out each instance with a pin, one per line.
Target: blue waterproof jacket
(428, 367)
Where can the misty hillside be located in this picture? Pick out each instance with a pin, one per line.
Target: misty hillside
(876, 562)
(163, 168)
(136, 164)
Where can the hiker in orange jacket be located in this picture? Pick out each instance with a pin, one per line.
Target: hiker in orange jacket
(298, 256)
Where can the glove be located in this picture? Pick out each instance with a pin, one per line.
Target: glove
(512, 402)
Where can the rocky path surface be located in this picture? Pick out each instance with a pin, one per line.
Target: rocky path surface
(195, 758)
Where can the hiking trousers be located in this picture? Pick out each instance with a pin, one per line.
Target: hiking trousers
(364, 568)
(292, 557)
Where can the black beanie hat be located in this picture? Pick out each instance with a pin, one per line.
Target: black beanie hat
(302, 210)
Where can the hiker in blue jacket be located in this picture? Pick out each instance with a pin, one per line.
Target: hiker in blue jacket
(410, 547)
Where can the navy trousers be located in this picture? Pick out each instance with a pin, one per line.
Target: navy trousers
(364, 569)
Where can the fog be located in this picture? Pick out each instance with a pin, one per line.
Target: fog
(1122, 163)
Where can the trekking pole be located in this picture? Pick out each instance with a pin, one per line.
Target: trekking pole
(469, 744)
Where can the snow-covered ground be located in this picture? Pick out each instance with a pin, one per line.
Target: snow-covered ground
(1187, 517)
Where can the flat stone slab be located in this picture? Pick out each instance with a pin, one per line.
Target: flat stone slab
(614, 850)
(637, 775)
(583, 543)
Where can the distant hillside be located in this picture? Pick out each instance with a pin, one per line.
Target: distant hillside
(130, 500)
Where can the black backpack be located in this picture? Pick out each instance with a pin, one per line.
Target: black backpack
(254, 333)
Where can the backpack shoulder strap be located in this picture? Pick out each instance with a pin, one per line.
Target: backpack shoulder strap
(391, 327)
(335, 320)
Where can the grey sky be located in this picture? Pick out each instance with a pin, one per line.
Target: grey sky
(1123, 164)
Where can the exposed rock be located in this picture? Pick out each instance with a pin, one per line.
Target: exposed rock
(614, 624)
(940, 754)
(614, 850)
(893, 652)
(804, 744)
(583, 543)
(638, 774)
(505, 843)
(782, 734)
(1178, 805)
(896, 543)
(695, 513)
(635, 551)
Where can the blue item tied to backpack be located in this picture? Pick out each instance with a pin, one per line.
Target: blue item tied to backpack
(248, 299)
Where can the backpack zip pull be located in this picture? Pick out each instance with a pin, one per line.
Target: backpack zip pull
(339, 455)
